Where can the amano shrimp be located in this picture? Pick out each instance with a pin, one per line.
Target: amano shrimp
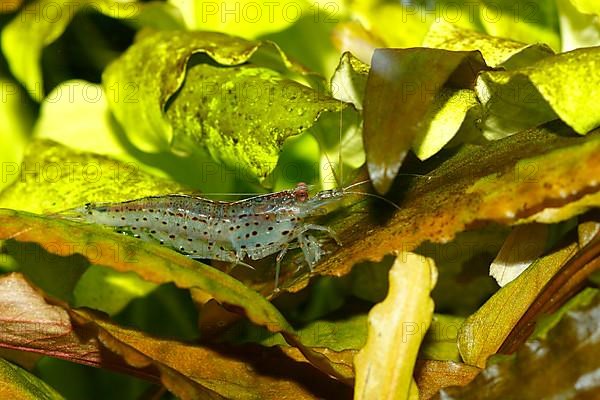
(227, 231)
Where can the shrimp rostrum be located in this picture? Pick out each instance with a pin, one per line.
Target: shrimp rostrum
(252, 228)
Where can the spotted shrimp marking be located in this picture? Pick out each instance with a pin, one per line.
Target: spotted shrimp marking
(228, 231)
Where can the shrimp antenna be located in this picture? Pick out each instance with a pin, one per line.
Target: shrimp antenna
(355, 185)
(338, 180)
(368, 180)
(346, 191)
(340, 164)
(375, 196)
(324, 150)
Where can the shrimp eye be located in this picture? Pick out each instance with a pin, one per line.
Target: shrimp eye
(301, 192)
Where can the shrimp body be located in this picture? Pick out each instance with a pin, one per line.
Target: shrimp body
(228, 231)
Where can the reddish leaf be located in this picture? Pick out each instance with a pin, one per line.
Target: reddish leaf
(31, 322)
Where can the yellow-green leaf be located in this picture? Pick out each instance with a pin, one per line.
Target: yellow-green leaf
(54, 178)
(247, 18)
(240, 114)
(587, 6)
(565, 85)
(41, 22)
(16, 120)
(440, 341)
(496, 51)
(551, 215)
(445, 118)
(83, 104)
(529, 21)
(577, 29)
(18, 384)
(349, 80)
(397, 326)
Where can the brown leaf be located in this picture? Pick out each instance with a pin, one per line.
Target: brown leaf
(564, 365)
(433, 375)
(484, 331)
(156, 264)
(501, 182)
(563, 285)
(31, 322)
(8, 6)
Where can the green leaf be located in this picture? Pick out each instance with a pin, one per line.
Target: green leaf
(401, 89)
(349, 80)
(143, 84)
(249, 19)
(463, 283)
(155, 264)
(16, 120)
(90, 126)
(315, 26)
(587, 6)
(18, 384)
(483, 332)
(54, 178)
(440, 342)
(369, 281)
(445, 117)
(496, 51)
(528, 21)
(242, 115)
(152, 14)
(564, 365)
(405, 25)
(564, 85)
(336, 335)
(397, 325)
(510, 104)
(383, 20)
(548, 322)
(154, 69)
(108, 290)
(42, 22)
(577, 29)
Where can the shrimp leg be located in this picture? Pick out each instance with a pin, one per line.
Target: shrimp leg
(331, 232)
(284, 250)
